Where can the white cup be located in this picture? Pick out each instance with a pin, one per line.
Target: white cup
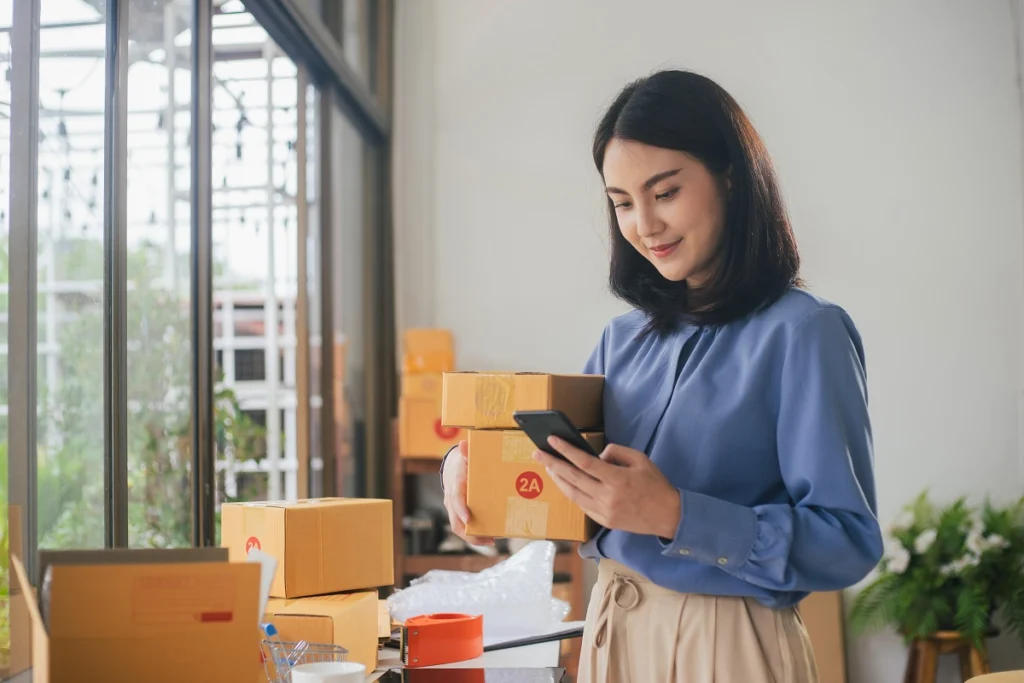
(329, 672)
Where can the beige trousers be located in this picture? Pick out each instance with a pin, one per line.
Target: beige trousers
(638, 632)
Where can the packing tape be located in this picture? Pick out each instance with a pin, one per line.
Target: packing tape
(494, 398)
(526, 518)
(517, 447)
(441, 639)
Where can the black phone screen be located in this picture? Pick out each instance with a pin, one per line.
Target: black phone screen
(541, 424)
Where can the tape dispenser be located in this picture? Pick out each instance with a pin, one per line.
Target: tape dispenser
(441, 639)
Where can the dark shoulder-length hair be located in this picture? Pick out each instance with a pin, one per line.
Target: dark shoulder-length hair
(758, 259)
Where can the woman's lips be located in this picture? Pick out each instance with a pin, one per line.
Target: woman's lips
(663, 250)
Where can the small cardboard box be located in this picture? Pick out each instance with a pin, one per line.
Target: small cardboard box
(322, 545)
(420, 432)
(427, 385)
(511, 494)
(427, 351)
(346, 619)
(159, 623)
(487, 400)
(822, 614)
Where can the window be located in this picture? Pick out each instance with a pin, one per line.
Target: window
(271, 171)
(69, 332)
(158, 324)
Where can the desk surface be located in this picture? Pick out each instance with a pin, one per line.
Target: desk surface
(529, 656)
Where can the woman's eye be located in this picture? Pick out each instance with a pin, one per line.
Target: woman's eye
(622, 205)
(667, 194)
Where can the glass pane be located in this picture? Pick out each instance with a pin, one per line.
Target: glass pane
(314, 268)
(159, 362)
(13, 632)
(255, 259)
(70, 280)
(347, 306)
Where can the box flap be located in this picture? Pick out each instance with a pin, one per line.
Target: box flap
(152, 600)
(105, 556)
(320, 606)
(306, 502)
(33, 607)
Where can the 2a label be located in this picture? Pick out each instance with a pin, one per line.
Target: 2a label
(529, 485)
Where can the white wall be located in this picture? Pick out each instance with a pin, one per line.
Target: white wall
(895, 128)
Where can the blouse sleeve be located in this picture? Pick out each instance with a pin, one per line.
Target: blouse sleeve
(827, 537)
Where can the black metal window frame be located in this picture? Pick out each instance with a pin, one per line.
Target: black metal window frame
(306, 40)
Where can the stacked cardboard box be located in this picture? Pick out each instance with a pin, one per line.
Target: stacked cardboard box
(509, 493)
(332, 555)
(426, 355)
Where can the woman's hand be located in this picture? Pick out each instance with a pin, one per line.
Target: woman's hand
(621, 489)
(454, 478)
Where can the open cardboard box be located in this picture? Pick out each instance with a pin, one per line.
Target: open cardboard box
(110, 617)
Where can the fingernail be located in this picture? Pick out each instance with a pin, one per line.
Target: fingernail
(554, 440)
(548, 470)
(536, 455)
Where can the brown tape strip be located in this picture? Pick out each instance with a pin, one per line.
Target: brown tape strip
(526, 518)
(495, 396)
(516, 447)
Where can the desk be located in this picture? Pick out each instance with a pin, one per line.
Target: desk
(528, 656)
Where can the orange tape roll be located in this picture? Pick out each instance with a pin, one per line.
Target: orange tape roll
(441, 639)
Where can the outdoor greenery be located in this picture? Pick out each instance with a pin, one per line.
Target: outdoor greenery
(70, 441)
(951, 568)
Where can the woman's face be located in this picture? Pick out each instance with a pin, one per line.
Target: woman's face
(669, 206)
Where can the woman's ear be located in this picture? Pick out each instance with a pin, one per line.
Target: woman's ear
(728, 179)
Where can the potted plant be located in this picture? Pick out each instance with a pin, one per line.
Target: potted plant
(948, 569)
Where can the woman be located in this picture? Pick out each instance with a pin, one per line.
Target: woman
(739, 473)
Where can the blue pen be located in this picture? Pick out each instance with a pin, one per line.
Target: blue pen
(277, 651)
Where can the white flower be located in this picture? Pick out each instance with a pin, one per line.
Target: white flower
(925, 540)
(975, 542)
(897, 558)
(958, 565)
(995, 542)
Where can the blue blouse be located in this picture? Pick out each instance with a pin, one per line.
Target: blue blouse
(762, 424)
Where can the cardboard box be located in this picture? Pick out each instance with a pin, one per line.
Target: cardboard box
(426, 385)
(348, 620)
(21, 629)
(159, 623)
(822, 614)
(420, 432)
(427, 351)
(487, 400)
(383, 620)
(511, 494)
(322, 545)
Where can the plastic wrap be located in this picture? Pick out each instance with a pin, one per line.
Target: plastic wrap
(513, 596)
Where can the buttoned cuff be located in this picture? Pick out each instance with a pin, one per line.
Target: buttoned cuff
(713, 531)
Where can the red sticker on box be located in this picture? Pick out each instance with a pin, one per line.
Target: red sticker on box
(529, 485)
(445, 433)
(253, 542)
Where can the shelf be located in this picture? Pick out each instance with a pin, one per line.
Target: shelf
(421, 465)
(421, 564)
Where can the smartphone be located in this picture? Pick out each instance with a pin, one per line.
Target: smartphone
(540, 424)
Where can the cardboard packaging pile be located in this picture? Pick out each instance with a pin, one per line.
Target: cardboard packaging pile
(332, 554)
(426, 355)
(509, 493)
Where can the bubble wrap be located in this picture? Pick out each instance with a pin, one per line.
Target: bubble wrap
(513, 595)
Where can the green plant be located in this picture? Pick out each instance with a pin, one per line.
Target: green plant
(949, 568)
